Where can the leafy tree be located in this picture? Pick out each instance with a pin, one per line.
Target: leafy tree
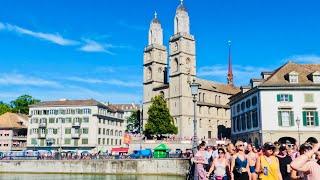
(159, 121)
(4, 108)
(21, 104)
(133, 122)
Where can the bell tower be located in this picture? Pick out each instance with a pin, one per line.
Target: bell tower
(182, 69)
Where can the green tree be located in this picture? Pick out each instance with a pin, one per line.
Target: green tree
(4, 108)
(21, 104)
(159, 121)
(133, 122)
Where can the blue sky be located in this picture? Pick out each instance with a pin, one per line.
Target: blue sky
(93, 49)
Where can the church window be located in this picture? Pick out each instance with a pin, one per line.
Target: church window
(188, 61)
(160, 70)
(199, 96)
(175, 65)
(203, 95)
(215, 99)
(149, 73)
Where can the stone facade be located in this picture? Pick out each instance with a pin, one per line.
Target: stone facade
(174, 84)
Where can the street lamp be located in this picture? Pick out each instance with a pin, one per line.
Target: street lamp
(298, 124)
(194, 92)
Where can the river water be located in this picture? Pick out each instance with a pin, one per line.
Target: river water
(84, 177)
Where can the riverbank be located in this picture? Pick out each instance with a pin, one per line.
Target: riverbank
(175, 167)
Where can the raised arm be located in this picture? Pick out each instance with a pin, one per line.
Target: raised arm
(299, 164)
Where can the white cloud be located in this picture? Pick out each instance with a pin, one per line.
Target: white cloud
(94, 46)
(114, 82)
(304, 59)
(54, 38)
(22, 80)
(242, 74)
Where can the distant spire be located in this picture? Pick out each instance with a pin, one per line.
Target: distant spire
(230, 74)
(155, 15)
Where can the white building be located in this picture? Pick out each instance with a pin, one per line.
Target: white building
(268, 110)
(74, 125)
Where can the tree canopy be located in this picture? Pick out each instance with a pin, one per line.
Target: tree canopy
(21, 104)
(133, 122)
(160, 121)
(4, 108)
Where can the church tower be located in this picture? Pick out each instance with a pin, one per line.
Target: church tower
(182, 70)
(154, 63)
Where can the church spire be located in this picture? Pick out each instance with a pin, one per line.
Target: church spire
(230, 74)
(155, 31)
(181, 20)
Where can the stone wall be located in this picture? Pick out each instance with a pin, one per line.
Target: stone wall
(144, 166)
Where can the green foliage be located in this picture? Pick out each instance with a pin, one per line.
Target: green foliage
(4, 108)
(133, 122)
(21, 104)
(160, 121)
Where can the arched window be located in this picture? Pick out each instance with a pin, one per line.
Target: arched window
(203, 99)
(175, 65)
(149, 73)
(215, 99)
(111, 133)
(120, 133)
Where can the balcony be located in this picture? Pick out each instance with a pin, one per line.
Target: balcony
(41, 136)
(42, 125)
(18, 148)
(76, 124)
(75, 135)
(19, 138)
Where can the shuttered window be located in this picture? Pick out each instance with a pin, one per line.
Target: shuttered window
(310, 118)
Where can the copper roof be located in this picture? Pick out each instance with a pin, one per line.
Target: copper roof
(279, 77)
(217, 87)
(89, 102)
(13, 121)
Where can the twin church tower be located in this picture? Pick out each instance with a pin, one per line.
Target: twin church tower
(213, 113)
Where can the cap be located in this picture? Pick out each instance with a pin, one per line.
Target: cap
(268, 146)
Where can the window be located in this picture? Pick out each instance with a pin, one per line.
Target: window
(234, 124)
(254, 116)
(99, 131)
(308, 98)
(310, 117)
(254, 101)
(51, 120)
(316, 78)
(55, 131)
(67, 141)
(242, 106)
(67, 131)
(238, 123)
(243, 122)
(68, 120)
(34, 141)
(84, 141)
(248, 103)
(248, 119)
(200, 123)
(104, 131)
(284, 98)
(293, 78)
(238, 108)
(285, 118)
(103, 141)
(85, 131)
(99, 140)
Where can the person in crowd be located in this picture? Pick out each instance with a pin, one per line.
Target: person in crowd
(231, 150)
(220, 166)
(239, 164)
(252, 158)
(199, 160)
(267, 165)
(277, 147)
(306, 163)
(284, 163)
(209, 159)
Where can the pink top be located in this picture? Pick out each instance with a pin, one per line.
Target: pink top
(313, 170)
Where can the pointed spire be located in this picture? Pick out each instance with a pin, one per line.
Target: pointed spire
(155, 15)
(181, 2)
(230, 74)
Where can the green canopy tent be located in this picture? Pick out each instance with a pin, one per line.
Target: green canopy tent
(161, 151)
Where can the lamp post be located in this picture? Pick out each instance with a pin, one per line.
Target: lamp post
(298, 124)
(194, 92)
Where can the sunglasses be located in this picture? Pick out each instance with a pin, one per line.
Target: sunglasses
(220, 152)
(240, 145)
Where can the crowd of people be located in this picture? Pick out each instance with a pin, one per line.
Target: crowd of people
(272, 161)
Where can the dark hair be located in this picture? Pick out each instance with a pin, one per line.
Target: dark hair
(268, 146)
(221, 149)
(312, 140)
(305, 147)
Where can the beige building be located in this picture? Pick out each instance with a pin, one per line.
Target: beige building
(171, 77)
(75, 125)
(13, 132)
(269, 108)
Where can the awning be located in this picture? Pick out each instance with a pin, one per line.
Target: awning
(120, 150)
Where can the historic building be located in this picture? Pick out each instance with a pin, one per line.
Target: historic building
(284, 103)
(72, 125)
(170, 74)
(13, 132)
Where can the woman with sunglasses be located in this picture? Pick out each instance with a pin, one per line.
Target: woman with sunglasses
(199, 160)
(239, 164)
(268, 165)
(220, 166)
